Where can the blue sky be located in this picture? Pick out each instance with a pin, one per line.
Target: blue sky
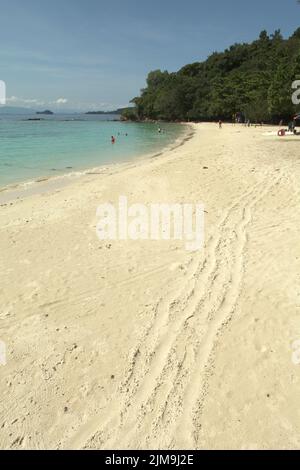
(95, 54)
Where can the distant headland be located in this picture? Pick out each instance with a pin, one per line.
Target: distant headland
(116, 111)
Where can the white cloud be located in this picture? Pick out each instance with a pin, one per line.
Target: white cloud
(15, 100)
(61, 101)
(27, 102)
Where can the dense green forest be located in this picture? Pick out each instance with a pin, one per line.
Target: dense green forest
(252, 79)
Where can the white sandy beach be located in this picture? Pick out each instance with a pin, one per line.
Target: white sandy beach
(142, 344)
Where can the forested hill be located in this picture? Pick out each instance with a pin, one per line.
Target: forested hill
(254, 79)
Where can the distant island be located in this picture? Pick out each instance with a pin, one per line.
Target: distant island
(47, 111)
(116, 111)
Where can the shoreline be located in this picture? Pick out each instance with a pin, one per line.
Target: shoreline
(40, 185)
(141, 344)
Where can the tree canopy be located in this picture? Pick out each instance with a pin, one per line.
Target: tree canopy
(252, 79)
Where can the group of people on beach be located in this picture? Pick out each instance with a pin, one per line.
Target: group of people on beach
(246, 123)
(282, 132)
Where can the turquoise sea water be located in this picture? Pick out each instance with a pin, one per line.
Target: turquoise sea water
(61, 144)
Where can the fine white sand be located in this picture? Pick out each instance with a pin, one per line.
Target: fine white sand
(142, 344)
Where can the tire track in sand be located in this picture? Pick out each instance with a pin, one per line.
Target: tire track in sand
(164, 357)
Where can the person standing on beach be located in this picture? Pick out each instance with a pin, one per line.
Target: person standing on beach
(113, 139)
(220, 124)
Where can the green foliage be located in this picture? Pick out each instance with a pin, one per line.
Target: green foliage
(129, 114)
(253, 79)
